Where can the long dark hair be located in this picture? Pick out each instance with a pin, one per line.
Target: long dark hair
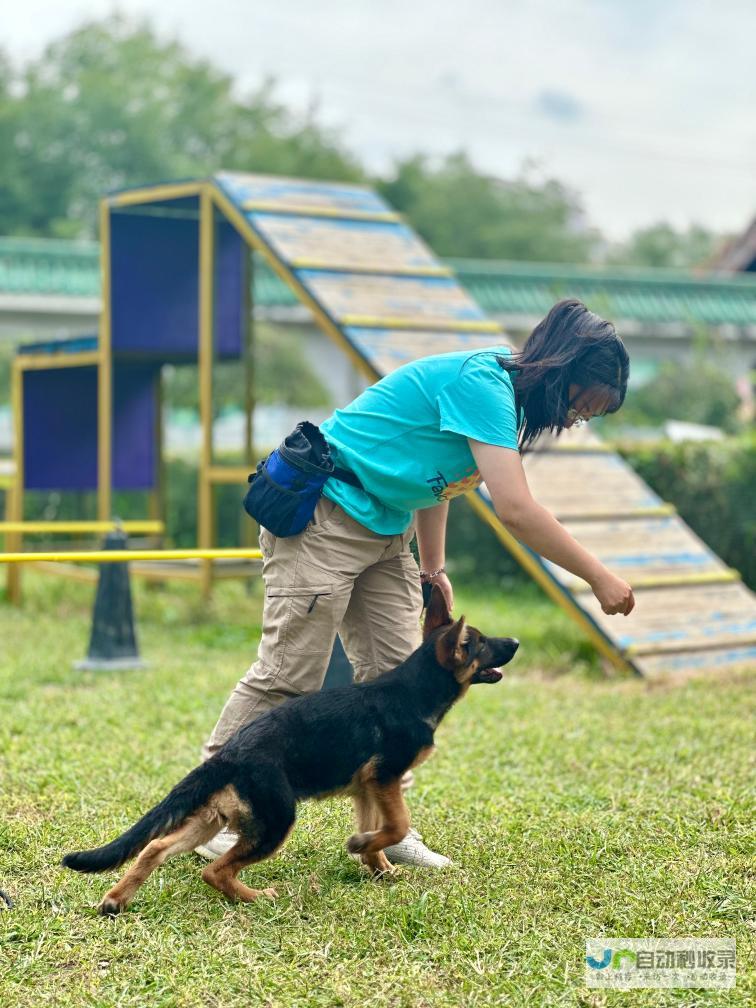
(571, 346)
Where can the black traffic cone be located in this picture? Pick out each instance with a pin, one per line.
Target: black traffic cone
(113, 643)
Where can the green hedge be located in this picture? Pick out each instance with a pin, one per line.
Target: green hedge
(713, 486)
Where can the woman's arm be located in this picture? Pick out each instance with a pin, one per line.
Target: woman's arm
(430, 524)
(503, 474)
(431, 536)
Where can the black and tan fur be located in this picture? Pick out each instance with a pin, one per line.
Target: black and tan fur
(357, 739)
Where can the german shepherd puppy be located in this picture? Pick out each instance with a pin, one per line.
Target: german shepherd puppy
(356, 739)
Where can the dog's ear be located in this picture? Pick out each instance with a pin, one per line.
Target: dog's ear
(449, 648)
(437, 613)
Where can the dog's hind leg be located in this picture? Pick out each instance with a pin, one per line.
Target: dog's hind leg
(266, 816)
(389, 800)
(197, 829)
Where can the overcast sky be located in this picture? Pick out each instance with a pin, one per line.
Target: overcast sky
(646, 107)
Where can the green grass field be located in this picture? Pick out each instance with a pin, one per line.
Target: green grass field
(573, 806)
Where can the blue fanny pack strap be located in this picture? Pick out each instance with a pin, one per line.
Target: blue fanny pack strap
(346, 477)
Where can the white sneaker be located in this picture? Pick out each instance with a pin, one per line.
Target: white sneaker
(412, 851)
(219, 844)
(409, 851)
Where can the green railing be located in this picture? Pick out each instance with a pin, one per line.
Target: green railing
(50, 267)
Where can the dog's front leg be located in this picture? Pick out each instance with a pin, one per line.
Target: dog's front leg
(384, 802)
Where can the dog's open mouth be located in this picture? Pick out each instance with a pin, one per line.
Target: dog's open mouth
(488, 675)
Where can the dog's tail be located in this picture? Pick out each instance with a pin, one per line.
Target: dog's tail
(188, 795)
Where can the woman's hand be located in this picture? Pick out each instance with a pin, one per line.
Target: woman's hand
(445, 585)
(614, 594)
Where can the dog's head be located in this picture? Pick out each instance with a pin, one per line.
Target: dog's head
(463, 650)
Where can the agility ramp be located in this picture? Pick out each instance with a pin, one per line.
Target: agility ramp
(175, 283)
(377, 289)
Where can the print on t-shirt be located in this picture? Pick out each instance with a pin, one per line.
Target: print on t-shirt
(444, 491)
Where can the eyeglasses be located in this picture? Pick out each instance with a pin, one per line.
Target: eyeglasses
(576, 418)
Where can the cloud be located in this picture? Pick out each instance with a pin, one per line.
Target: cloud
(558, 105)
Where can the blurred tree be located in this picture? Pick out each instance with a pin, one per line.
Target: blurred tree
(696, 391)
(662, 245)
(112, 105)
(462, 212)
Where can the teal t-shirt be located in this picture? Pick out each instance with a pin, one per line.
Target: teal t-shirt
(406, 436)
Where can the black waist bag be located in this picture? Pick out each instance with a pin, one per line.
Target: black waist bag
(285, 489)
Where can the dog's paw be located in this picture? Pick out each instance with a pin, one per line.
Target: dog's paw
(380, 867)
(357, 842)
(110, 908)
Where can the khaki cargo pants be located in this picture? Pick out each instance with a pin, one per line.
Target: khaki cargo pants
(335, 577)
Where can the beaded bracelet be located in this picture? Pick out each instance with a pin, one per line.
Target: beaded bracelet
(425, 576)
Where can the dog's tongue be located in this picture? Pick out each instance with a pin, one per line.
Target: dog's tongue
(492, 674)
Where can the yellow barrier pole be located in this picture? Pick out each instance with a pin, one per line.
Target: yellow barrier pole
(74, 527)
(120, 556)
(156, 497)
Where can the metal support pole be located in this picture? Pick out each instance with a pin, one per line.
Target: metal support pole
(248, 352)
(205, 360)
(15, 503)
(105, 376)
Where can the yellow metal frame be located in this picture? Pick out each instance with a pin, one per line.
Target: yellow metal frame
(105, 376)
(49, 361)
(102, 359)
(205, 354)
(208, 474)
(15, 504)
(8, 482)
(151, 194)
(228, 474)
